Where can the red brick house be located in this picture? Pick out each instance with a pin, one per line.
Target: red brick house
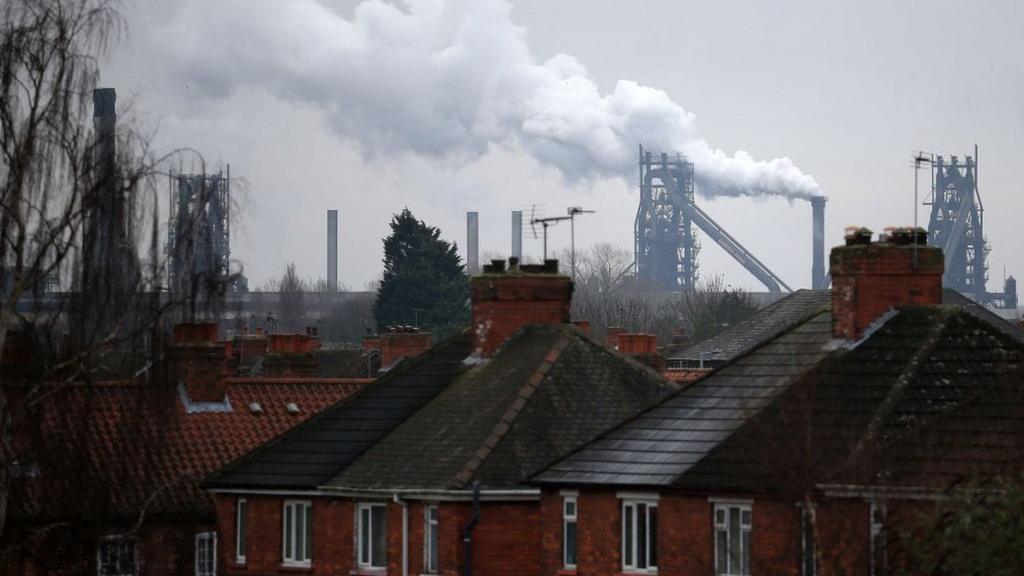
(424, 471)
(811, 451)
(108, 477)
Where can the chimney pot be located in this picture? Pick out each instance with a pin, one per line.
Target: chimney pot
(857, 236)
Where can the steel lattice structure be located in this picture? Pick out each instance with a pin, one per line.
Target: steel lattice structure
(199, 233)
(666, 245)
(957, 225)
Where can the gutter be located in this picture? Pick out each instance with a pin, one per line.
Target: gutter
(438, 494)
(405, 533)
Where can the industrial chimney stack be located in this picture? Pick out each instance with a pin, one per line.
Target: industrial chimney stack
(332, 250)
(472, 243)
(818, 242)
(517, 234)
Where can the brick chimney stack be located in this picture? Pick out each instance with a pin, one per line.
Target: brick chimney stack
(504, 300)
(398, 342)
(868, 278)
(199, 361)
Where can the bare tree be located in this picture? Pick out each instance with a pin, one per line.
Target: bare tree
(606, 295)
(76, 196)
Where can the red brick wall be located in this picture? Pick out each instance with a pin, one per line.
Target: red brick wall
(867, 280)
(686, 535)
(501, 304)
(165, 548)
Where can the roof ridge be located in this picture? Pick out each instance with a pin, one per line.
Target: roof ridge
(526, 391)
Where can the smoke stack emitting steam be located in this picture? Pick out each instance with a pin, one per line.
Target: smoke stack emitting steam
(454, 77)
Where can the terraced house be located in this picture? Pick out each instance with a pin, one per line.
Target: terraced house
(522, 446)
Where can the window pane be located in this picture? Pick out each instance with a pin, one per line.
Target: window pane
(627, 538)
(809, 559)
(746, 552)
(641, 536)
(240, 535)
(720, 516)
(652, 540)
(364, 535)
(378, 523)
(308, 543)
(570, 543)
(746, 517)
(722, 552)
(288, 533)
(432, 553)
(300, 533)
(570, 508)
(734, 540)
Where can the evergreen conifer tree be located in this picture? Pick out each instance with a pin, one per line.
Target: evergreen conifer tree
(424, 282)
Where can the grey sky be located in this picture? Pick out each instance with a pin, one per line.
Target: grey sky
(845, 90)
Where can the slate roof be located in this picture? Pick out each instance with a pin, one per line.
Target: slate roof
(111, 446)
(312, 453)
(787, 312)
(548, 390)
(934, 395)
(762, 325)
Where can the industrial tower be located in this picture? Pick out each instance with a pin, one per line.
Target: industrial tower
(957, 225)
(665, 244)
(199, 234)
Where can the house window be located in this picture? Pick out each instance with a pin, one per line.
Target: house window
(430, 534)
(296, 537)
(640, 536)
(569, 532)
(373, 535)
(117, 557)
(206, 554)
(732, 539)
(241, 509)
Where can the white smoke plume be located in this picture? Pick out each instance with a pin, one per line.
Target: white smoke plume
(447, 77)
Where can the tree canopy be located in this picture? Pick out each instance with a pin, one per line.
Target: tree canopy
(424, 282)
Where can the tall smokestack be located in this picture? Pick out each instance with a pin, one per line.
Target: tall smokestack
(818, 242)
(472, 245)
(517, 235)
(332, 250)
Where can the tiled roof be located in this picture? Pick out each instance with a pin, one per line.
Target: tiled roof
(789, 311)
(933, 395)
(762, 325)
(548, 390)
(312, 453)
(110, 447)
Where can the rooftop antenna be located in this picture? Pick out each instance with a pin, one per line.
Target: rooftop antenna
(919, 158)
(544, 222)
(574, 211)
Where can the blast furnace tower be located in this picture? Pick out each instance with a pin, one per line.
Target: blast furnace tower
(665, 245)
(199, 234)
(957, 225)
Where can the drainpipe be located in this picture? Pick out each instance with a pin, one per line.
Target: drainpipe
(467, 532)
(405, 533)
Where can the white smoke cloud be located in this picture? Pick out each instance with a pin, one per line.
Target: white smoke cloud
(446, 78)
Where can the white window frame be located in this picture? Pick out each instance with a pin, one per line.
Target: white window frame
(202, 537)
(114, 540)
(724, 526)
(368, 563)
(292, 558)
(631, 508)
(241, 521)
(568, 518)
(429, 543)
